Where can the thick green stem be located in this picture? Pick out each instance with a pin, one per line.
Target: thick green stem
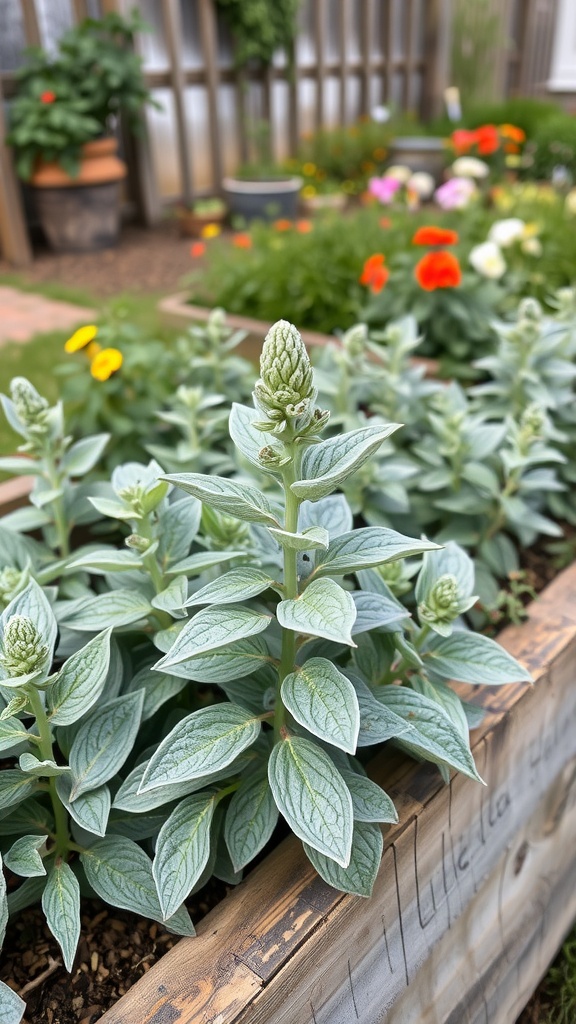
(47, 754)
(154, 571)
(288, 652)
(57, 506)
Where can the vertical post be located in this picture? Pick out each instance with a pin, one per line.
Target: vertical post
(388, 48)
(173, 27)
(13, 235)
(344, 34)
(208, 34)
(80, 10)
(367, 16)
(31, 25)
(293, 119)
(241, 89)
(320, 47)
(408, 54)
(437, 42)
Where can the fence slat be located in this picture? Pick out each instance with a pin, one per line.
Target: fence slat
(388, 50)
(320, 48)
(80, 10)
(366, 23)
(344, 36)
(14, 241)
(408, 44)
(208, 32)
(31, 25)
(173, 27)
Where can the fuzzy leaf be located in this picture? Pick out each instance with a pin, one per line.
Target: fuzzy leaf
(106, 560)
(23, 858)
(369, 801)
(204, 742)
(326, 465)
(61, 906)
(14, 787)
(116, 608)
(12, 731)
(250, 819)
(90, 810)
(30, 764)
(129, 798)
(374, 611)
(180, 523)
(83, 455)
(359, 876)
(324, 701)
(324, 609)
(237, 585)
(226, 663)
(212, 628)
(12, 1008)
(473, 658)
(80, 681)
(121, 873)
(182, 850)
(239, 500)
(312, 796)
(196, 564)
(104, 741)
(247, 438)
(309, 540)
(365, 548)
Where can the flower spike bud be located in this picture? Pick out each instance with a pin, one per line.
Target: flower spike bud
(285, 366)
(442, 604)
(30, 407)
(23, 649)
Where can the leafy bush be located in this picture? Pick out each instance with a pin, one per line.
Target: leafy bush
(554, 143)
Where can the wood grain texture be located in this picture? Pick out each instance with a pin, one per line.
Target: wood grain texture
(461, 893)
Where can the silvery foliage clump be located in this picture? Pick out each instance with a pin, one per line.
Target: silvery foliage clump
(127, 776)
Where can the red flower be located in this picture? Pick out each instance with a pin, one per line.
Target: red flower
(48, 96)
(374, 273)
(197, 249)
(304, 226)
(435, 236)
(463, 140)
(242, 240)
(439, 269)
(487, 139)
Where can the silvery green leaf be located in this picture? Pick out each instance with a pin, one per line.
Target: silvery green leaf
(251, 818)
(369, 801)
(20, 552)
(12, 1008)
(250, 692)
(373, 611)
(3, 905)
(182, 850)
(212, 628)
(26, 894)
(164, 639)
(326, 465)
(129, 798)
(248, 439)
(173, 597)
(359, 876)
(117, 608)
(203, 742)
(309, 540)
(378, 723)
(106, 560)
(20, 465)
(225, 664)
(333, 513)
(179, 526)
(33, 604)
(135, 826)
(113, 509)
(202, 560)
(23, 858)
(448, 700)
(15, 786)
(29, 816)
(83, 455)
(158, 688)
(473, 658)
(104, 741)
(239, 500)
(61, 906)
(15, 705)
(90, 810)
(433, 735)
(80, 681)
(22, 520)
(313, 797)
(365, 548)
(324, 609)
(121, 873)
(12, 731)
(449, 560)
(324, 701)
(237, 585)
(30, 764)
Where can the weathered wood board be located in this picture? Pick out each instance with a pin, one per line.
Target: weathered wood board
(475, 892)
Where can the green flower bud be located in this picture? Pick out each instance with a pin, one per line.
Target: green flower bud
(217, 319)
(224, 531)
(23, 649)
(30, 407)
(286, 389)
(354, 341)
(530, 309)
(137, 543)
(12, 581)
(395, 576)
(133, 496)
(442, 604)
(532, 420)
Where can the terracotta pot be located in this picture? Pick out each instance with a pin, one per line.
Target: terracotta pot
(191, 224)
(81, 214)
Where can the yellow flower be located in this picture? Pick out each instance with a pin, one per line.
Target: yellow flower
(211, 230)
(531, 230)
(308, 192)
(105, 363)
(309, 169)
(92, 350)
(81, 338)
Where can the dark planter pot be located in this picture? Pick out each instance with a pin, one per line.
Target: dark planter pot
(263, 200)
(420, 153)
(81, 219)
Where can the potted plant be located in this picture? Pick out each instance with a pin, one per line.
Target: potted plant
(193, 219)
(261, 189)
(62, 124)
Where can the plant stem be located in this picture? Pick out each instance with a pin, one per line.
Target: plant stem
(57, 506)
(156, 575)
(288, 652)
(47, 754)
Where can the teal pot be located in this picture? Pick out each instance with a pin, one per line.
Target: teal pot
(263, 200)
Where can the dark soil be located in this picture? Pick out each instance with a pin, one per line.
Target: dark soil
(116, 948)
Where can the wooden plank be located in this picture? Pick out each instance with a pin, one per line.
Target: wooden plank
(285, 947)
(437, 43)
(293, 93)
(320, 48)
(31, 24)
(173, 28)
(241, 90)
(14, 241)
(409, 47)
(388, 49)
(367, 66)
(80, 10)
(344, 32)
(208, 34)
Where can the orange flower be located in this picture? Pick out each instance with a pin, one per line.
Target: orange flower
(385, 222)
(463, 140)
(242, 240)
(439, 269)
(435, 236)
(282, 224)
(304, 226)
(487, 139)
(511, 131)
(48, 96)
(197, 249)
(105, 363)
(374, 273)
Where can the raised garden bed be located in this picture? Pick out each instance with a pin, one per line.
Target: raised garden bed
(475, 893)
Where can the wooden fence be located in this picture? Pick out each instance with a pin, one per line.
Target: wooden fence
(349, 56)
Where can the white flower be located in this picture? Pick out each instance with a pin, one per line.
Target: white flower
(470, 167)
(532, 246)
(506, 232)
(380, 114)
(422, 183)
(399, 172)
(487, 260)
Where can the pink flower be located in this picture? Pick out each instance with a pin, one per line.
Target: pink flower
(384, 189)
(455, 194)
